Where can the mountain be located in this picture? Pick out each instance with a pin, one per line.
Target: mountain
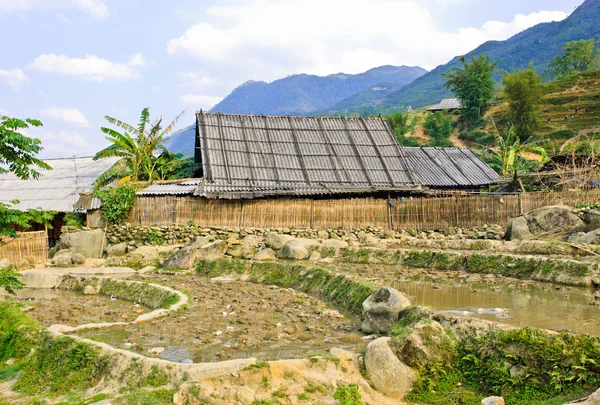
(304, 94)
(182, 141)
(539, 44)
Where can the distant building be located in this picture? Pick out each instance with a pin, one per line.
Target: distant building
(447, 104)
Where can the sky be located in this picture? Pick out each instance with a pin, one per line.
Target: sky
(69, 63)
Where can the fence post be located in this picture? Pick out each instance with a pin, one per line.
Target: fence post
(520, 203)
(456, 210)
(389, 211)
(312, 214)
(242, 213)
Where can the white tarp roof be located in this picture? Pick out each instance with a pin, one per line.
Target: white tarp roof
(57, 189)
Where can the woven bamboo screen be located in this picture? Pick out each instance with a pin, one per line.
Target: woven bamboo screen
(426, 213)
(27, 244)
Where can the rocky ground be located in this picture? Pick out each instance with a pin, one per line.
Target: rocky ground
(229, 319)
(51, 307)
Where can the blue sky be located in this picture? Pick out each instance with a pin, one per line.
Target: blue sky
(71, 62)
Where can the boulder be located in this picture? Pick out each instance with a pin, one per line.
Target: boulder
(78, 259)
(592, 237)
(276, 241)
(382, 309)
(314, 257)
(333, 243)
(323, 235)
(23, 265)
(185, 257)
(89, 290)
(63, 261)
(389, 234)
(118, 250)
(32, 260)
(298, 249)
(386, 372)
(147, 253)
(4, 263)
(248, 247)
(518, 229)
(265, 255)
(213, 250)
(493, 401)
(63, 253)
(245, 395)
(592, 220)
(552, 219)
(88, 243)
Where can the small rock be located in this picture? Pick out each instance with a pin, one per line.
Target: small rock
(89, 290)
(4, 263)
(382, 309)
(78, 259)
(493, 401)
(323, 235)
(10, 362)
(23, 265)
(156, 350)
(265, 255)
(245, 395)
(314, 257)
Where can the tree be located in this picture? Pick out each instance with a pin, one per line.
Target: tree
(18, 156)
(474, 86)
(524, 93)
(17, 151)
(141, 150)
(439, 127)
(507, 155)
(401, 125)
(579, 56)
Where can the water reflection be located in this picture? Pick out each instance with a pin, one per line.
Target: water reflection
(541, 306)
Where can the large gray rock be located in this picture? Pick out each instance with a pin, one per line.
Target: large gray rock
(333, 243)
(386, 372)
(63, 261)
(518, 229)
(118, 250)
(298, 249)
(78, 259)
(213, 250)
(592, 220)
(592, 237)
(147, 253)
(593, 399)
(552, 219)
(265, 255)
(88, 243)
(248, 247)
(382, 309)
(276, 241)
(185, 257)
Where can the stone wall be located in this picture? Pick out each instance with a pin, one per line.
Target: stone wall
(182, 234)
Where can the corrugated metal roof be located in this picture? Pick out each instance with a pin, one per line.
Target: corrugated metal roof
(447, 104)
(57, 189)
(243, 155)
(187, 188)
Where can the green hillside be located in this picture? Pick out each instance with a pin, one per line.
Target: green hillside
(538, 45)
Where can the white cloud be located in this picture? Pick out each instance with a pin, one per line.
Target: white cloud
(69, 115)
(95, 8)
(15, 78)
(269, 39)
(91, 67)
(63, 19)
(155, 89)
(63, 143)
(200, 101)
(4, 111)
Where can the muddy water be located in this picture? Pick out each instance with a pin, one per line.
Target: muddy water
(233, 319)
(539, 305)
(50, 307)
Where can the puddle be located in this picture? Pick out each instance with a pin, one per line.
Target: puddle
(233, 320)
(50, 307)
(538, 305)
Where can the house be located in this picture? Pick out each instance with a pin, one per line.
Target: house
(58, 189)
(249, 157)
(447, 104)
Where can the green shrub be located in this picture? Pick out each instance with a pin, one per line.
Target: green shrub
(348, 395)
(118, 202)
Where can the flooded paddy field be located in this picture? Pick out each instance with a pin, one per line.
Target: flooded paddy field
(229, 319)
(51, 307)
(491, 297)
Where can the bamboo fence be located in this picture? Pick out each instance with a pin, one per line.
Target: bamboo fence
(423, 213)
(26, 244)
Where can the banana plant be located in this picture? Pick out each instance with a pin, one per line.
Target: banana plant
(140, 148)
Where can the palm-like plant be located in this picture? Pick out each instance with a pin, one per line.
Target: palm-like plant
(141, 149)
(507, 155)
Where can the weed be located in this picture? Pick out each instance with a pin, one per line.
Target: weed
(348, 395)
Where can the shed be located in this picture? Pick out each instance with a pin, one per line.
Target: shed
(245, 156)
(447, 104)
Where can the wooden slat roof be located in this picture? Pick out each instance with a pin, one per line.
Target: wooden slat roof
(244, 156)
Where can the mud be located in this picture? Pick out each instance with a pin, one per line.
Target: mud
(229, 319)
(51, 307)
